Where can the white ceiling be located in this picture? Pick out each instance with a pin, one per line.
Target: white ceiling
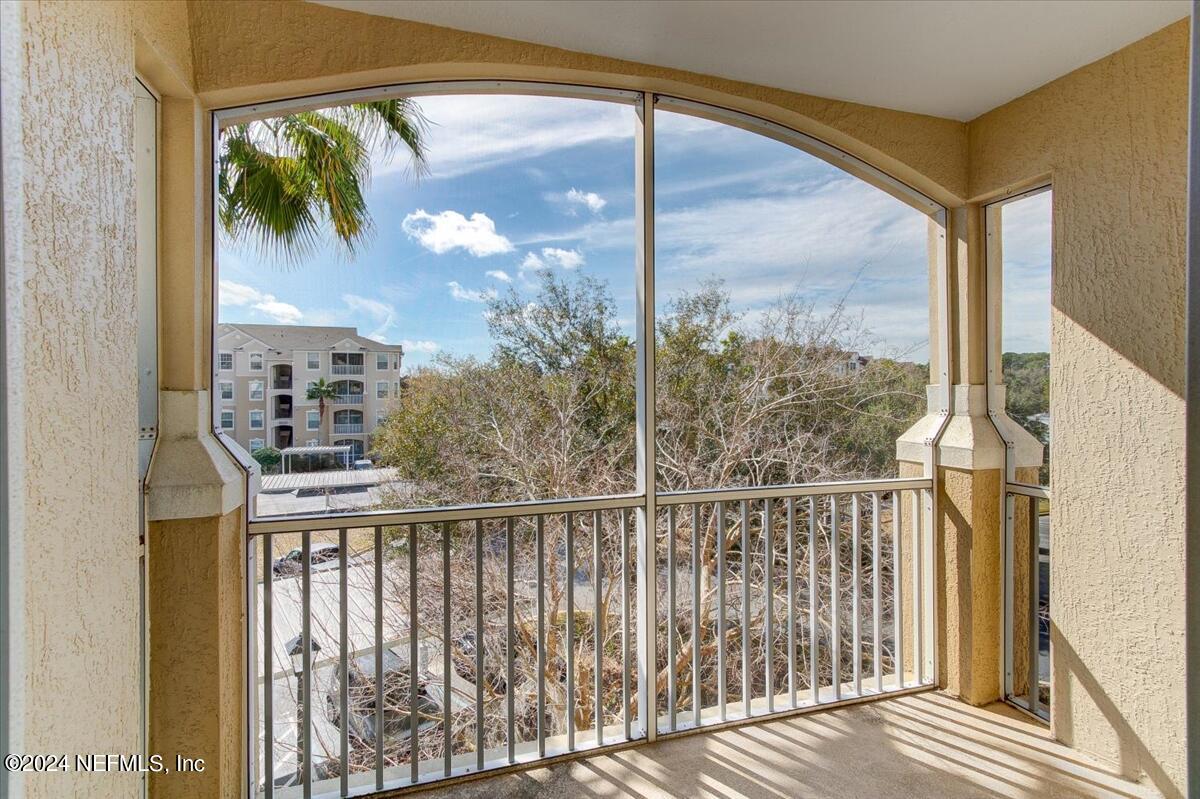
(949, 58)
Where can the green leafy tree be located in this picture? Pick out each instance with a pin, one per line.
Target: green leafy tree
(286, 181)
(1027, 382)
(268, 458)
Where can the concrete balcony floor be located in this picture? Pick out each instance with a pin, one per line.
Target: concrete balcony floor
(923, 745)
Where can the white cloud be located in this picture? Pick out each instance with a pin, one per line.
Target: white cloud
(381, 313)
(469, 295)
(243, 296)
(473, 132)
(532, 262)
(282, 312)
(591, 199)
(499, 274)
(424, 346)
(450, 230)
(567, 259)
(551, 257)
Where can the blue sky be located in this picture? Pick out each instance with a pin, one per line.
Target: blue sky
(517, 185)
(1026, 255)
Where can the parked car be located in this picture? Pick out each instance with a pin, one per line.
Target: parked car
(292, 562)
(362, 464)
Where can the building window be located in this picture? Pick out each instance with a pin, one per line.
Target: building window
(381, 389)
(381, 361)
(313, 419)
(256, 420)
(225, 361)
(256, 362)
(256, 444)
(313, 442)
(309, 385)
(380, 418)
(395, 389)
(256, 389)
(395, 362)
(314, 360)
(226, 389)
(227, 420)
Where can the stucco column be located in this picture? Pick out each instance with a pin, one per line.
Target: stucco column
(196, 490)
(968, 466)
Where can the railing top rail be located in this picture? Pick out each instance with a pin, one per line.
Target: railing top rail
(457, 513)
(1026, 490)
(451, 513)
(794, 490)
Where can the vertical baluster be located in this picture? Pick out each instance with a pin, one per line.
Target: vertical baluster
(268, 668)
(509, 654)
(856, 601)
(625, 714)
(306, 663)
(541, 634)
(897, 589)
(918, 633)
(721, 699)
(671, 617)
(769, 610)
(379, 693)
(414, 670)
(597, 630)
(696, 614)
(343, 666)
(876, 595)
(814, 645)
(479, 611)
(1035, 590)
(791, 601)
(1010, 609)
(447, 668)
(745, 631)
(835, 591)
(570, 707)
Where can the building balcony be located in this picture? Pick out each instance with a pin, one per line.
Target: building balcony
(348, 428)
(348, 399)
(348, 369)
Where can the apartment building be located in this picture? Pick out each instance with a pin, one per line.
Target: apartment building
(263, 373)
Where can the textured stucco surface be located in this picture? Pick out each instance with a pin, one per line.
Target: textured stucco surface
(75, 276)
(1113, 138)
(196, 580)
(969, 627)
(313, 47)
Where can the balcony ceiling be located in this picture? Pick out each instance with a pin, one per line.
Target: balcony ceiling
(949, 58)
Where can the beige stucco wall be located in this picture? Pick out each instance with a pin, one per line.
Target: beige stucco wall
(196, 589)
(1112, 136)
(70, 277)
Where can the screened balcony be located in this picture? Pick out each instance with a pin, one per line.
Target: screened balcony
(721, 460)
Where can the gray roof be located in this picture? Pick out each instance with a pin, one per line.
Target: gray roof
(307, 337)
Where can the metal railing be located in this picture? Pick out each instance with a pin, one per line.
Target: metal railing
(347, 428)
(401, 647)
(347, 399)
(1027, 597)
(348, 368)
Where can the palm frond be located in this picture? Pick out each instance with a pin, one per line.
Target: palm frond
(285, 182)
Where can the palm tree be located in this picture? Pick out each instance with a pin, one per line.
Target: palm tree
(285, 181)
(322, 392)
